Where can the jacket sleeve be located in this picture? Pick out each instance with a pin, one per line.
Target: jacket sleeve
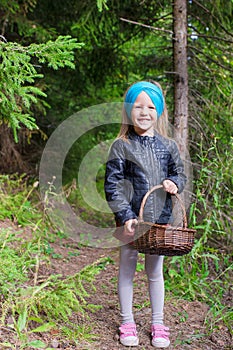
(118, 189)
(176, 168)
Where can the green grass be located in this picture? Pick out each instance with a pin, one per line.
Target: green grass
(36, 306)
(206, 273)
(40, 306)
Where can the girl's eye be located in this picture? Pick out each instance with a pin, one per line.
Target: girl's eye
(152, 108)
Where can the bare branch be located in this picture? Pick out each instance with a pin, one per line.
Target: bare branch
(146, 26)
(211, 59)
(3, 38)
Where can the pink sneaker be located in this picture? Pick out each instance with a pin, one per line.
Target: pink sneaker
(160, 336)
(128, 334)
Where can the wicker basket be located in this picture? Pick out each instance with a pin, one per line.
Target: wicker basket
(163, 239)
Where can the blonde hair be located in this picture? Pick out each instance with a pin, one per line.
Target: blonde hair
(161, 125)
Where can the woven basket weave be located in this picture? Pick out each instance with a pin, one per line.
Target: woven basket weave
(163, 239)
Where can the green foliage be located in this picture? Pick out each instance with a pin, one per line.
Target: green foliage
(56, 54)
(115, 54)
(78, 332)
(210, 73)
(15, 264)
(57, 298)
(212, 210)
(50, 303)
(102, 4)
(36, 306)
(19, 77)
(206, 273)
(16, 200)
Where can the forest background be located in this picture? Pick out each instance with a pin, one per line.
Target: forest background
(60, 57)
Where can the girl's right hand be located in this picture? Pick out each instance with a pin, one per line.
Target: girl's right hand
(129, 227)
(126, 233)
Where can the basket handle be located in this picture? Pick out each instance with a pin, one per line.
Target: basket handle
(140, 217)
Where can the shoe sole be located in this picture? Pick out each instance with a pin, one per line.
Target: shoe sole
(161, 345)
(130, 341)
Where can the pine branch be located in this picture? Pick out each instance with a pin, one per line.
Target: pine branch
(210, 58)
(18, 74)
(206, 36)
(211, 15)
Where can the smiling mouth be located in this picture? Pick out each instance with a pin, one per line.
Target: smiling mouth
(144, 120)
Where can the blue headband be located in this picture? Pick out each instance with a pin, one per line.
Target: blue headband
(152, 90)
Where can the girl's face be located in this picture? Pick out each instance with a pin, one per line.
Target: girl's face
(144, 115)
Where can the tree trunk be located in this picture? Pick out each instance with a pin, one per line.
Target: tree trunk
(181, 98)
(181, 74)
(11, 159)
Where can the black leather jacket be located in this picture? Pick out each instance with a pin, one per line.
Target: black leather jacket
(135, 166)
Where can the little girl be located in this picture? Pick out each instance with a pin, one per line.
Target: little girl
(141, 157)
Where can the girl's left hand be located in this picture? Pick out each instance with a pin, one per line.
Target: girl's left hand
(170, 186)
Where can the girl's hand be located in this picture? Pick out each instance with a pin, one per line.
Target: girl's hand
(129, 227)
(126, 235)
(170, 187)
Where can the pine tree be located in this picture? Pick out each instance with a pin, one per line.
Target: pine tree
(20, 68)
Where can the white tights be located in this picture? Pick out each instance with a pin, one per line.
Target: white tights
(154, 271)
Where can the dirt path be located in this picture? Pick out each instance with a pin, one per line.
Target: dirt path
(185, 319)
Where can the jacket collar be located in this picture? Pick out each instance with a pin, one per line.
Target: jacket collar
(134, 136)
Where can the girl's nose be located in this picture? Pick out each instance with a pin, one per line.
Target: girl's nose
(144, 110)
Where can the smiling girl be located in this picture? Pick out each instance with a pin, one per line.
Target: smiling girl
(141, 157)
